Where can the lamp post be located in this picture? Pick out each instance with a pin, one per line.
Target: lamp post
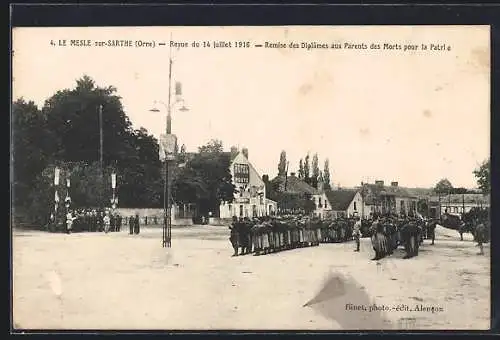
(168, 143)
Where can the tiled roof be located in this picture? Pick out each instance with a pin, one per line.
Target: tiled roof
(294, 185)
(340, 199)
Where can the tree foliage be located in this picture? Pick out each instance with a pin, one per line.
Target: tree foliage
(301, 169)
(326, 175)
(483, 176)
(307, 170)
(282, 164)
(444, 186)
(205, 180)
(67, 130)
(315, 171)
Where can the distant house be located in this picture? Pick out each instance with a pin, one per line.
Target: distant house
(379, 198)
(345, 203)
(294, 185)
(459, 203)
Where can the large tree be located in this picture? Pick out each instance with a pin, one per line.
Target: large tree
(315, 171)
(301, 169)
(444, 186)
(205, 180)
(67, 132)
(282, 164)
(326, 175)
(32, 146)
(482, 174)
(307, 169)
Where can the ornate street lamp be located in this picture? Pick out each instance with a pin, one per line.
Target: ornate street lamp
(168, 143)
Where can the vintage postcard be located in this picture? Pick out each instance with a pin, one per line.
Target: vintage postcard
(251, 178)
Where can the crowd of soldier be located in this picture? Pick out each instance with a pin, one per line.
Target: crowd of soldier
(266, 235)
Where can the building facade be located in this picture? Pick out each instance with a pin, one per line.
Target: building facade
(250, 196)
(458, 204)
(381, 199)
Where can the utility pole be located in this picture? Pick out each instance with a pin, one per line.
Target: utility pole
(167, 203)
(101, 169)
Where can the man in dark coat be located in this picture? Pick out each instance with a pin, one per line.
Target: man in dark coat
(118, 222)
(481, 234)
(234, 237)
(131, 220)
(136, 225)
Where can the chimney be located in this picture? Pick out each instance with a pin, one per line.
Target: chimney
(394, 184)
(234, 151)
(265, 178)
(379, 183)
(245, 152)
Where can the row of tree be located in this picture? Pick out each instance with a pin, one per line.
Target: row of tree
(66, 132)
(308, 172)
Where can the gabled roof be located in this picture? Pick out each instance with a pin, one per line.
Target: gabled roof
(340, 199)
(294, 185)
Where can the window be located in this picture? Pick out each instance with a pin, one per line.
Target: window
(254, 210)
(262, 199)
(241, 173)
(355, 206)
(230, 209)
(241, 210)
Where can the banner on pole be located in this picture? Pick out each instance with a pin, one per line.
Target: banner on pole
(178, 88)
(67, 182)
(56, 176)
(113, 181)
(167, 147)
(56, 197)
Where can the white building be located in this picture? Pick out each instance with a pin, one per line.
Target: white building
(345, 203)
(250, 196)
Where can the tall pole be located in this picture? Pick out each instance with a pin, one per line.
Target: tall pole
(101, 173)
(167, 228)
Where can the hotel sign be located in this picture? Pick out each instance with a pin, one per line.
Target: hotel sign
(242, 200)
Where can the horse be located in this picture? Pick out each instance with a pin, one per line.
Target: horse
(410, 237)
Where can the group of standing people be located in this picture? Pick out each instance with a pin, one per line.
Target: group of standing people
(134, 225)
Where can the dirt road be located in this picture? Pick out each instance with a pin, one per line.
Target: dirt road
(120, 281)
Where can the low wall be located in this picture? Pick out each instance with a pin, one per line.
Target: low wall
(219, 221)
(147, 216)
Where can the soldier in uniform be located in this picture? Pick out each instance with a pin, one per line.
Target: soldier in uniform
(233, 238)
(137, 228)
(131, 224)
(357, 233)
(481, 236)
(118, 222)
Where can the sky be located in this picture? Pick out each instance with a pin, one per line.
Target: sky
(377, 114)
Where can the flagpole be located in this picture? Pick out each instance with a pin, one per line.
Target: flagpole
(101, 174)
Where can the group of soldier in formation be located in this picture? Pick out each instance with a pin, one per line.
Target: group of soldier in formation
(93, 220)
(264, 235)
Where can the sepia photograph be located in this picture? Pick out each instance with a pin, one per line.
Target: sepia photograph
(250, 178)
